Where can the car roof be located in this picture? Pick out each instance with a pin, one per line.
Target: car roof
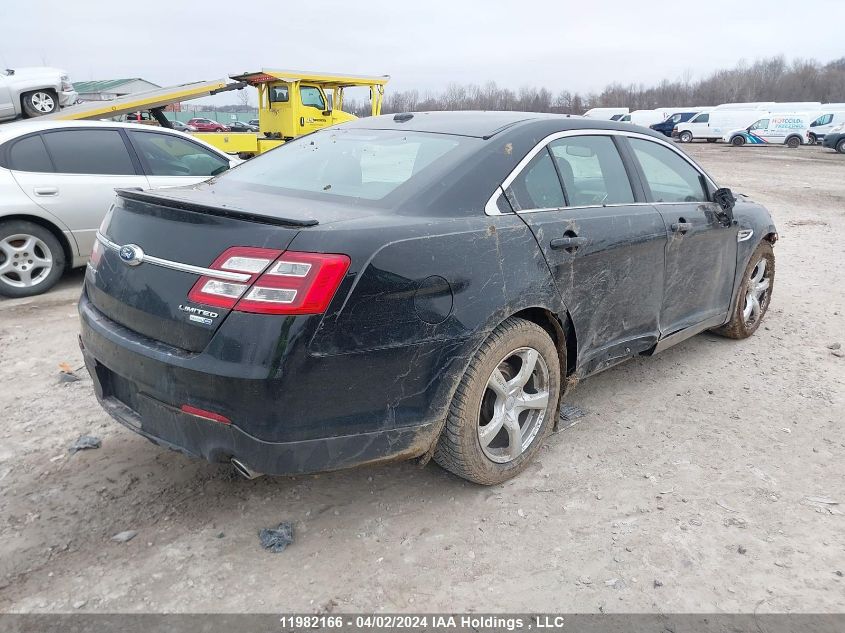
(9, 131)
(484, 124)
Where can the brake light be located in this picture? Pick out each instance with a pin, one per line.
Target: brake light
(272, 282)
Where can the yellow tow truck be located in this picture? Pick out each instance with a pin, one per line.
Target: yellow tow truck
(290, 103)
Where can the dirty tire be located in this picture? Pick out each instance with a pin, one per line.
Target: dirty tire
(39, 102)
(840, 146)
(739, 327)
(738, 141)
(685, 137)
(13, 235)
(793, 141)
(459, 448)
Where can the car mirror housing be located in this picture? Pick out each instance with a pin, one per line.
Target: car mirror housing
(726, 200)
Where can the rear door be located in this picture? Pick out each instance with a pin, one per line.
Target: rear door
(604, 245)
(88, 165)
(700, 248)
(170, 160)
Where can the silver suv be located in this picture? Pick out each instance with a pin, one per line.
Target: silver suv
(33, 92)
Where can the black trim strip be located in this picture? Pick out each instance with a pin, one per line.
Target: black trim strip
(208, 209)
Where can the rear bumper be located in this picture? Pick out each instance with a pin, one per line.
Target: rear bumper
(309, 418)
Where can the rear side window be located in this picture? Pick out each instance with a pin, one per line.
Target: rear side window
(592, 171)
(537, 186)
(169, 155)
(668, 175)
(89, 152)
(29, 154)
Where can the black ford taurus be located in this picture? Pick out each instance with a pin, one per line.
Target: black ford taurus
(418, 285)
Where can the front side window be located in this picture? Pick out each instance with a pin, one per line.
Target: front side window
(84, 151)
(537, 186)
(762, 124)
(169, 155)
(29, 154)
(701, 118)
(366, 164)
(592, 171)
(822, 120)
(669, 176)
(312, 96)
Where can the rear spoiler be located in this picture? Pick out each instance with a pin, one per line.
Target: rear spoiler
(209, 209)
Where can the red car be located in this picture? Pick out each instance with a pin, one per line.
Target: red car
(207, 125)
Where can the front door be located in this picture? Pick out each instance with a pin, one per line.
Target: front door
(701, 247)
(89, 164)
(604, 250)
(313, 106)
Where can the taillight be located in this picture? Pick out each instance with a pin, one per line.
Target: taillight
(277, 283)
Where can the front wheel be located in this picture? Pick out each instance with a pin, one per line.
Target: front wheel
(685, 136)
(738, 141)
(811, 139)
(840, 146)
(31, 259)
(39, 103)
(754, 294)
(504, 406)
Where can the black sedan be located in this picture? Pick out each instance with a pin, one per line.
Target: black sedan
(410, 286)
(240, 126)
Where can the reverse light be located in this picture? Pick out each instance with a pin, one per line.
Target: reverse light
(278, 283)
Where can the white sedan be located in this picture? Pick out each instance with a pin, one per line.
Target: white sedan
(57, 181)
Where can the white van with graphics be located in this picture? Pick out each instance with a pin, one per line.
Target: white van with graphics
(824, 124)
(790, 129)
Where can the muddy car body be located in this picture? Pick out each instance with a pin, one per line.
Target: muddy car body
(477, 264)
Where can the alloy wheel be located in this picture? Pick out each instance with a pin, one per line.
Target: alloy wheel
(25, 261)
(514, 405)
(43, 102)
(756, 296)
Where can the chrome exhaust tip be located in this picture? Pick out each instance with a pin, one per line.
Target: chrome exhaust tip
(245, 471)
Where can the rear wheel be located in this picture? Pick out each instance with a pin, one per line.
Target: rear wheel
(31, 259)
(39, 103)
(793, 141)
(754, 294)
(685, 136)
(840, 146)
(504, 405)
(738, 141)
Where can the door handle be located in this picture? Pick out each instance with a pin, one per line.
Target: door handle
(681, 227)
(570, 244)
(45, 191)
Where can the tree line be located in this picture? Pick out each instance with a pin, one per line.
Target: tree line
(771, 79)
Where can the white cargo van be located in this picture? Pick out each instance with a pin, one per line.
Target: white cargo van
(606, 114)
(647, 117)
(778, 128)
(714, 124)
(825, 122)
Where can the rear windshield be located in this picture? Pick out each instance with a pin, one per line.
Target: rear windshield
(363, 164)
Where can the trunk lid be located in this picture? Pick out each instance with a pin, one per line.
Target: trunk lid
(151, 297)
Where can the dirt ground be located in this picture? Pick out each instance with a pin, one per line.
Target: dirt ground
(709, 478)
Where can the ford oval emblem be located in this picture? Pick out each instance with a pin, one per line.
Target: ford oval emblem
(131, 254)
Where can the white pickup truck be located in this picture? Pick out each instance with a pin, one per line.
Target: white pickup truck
(32, 92)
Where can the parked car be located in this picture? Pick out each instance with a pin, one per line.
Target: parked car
(606, 114)
(791, 130)
(240, 126)
(57, 180)
(182, 127)
(32, 92)
(207, 125)
(713, 124)
(255, 123)
(316, 308)
(835, 139)
(665, 127)
(645, 118)
(825, 122)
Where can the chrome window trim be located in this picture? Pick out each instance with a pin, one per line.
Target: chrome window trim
(185, 268)
(492, 209)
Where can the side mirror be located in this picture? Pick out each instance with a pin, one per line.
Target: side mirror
(726, 200)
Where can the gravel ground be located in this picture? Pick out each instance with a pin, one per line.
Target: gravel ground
(706, 479)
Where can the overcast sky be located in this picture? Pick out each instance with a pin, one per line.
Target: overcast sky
(577, 45)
